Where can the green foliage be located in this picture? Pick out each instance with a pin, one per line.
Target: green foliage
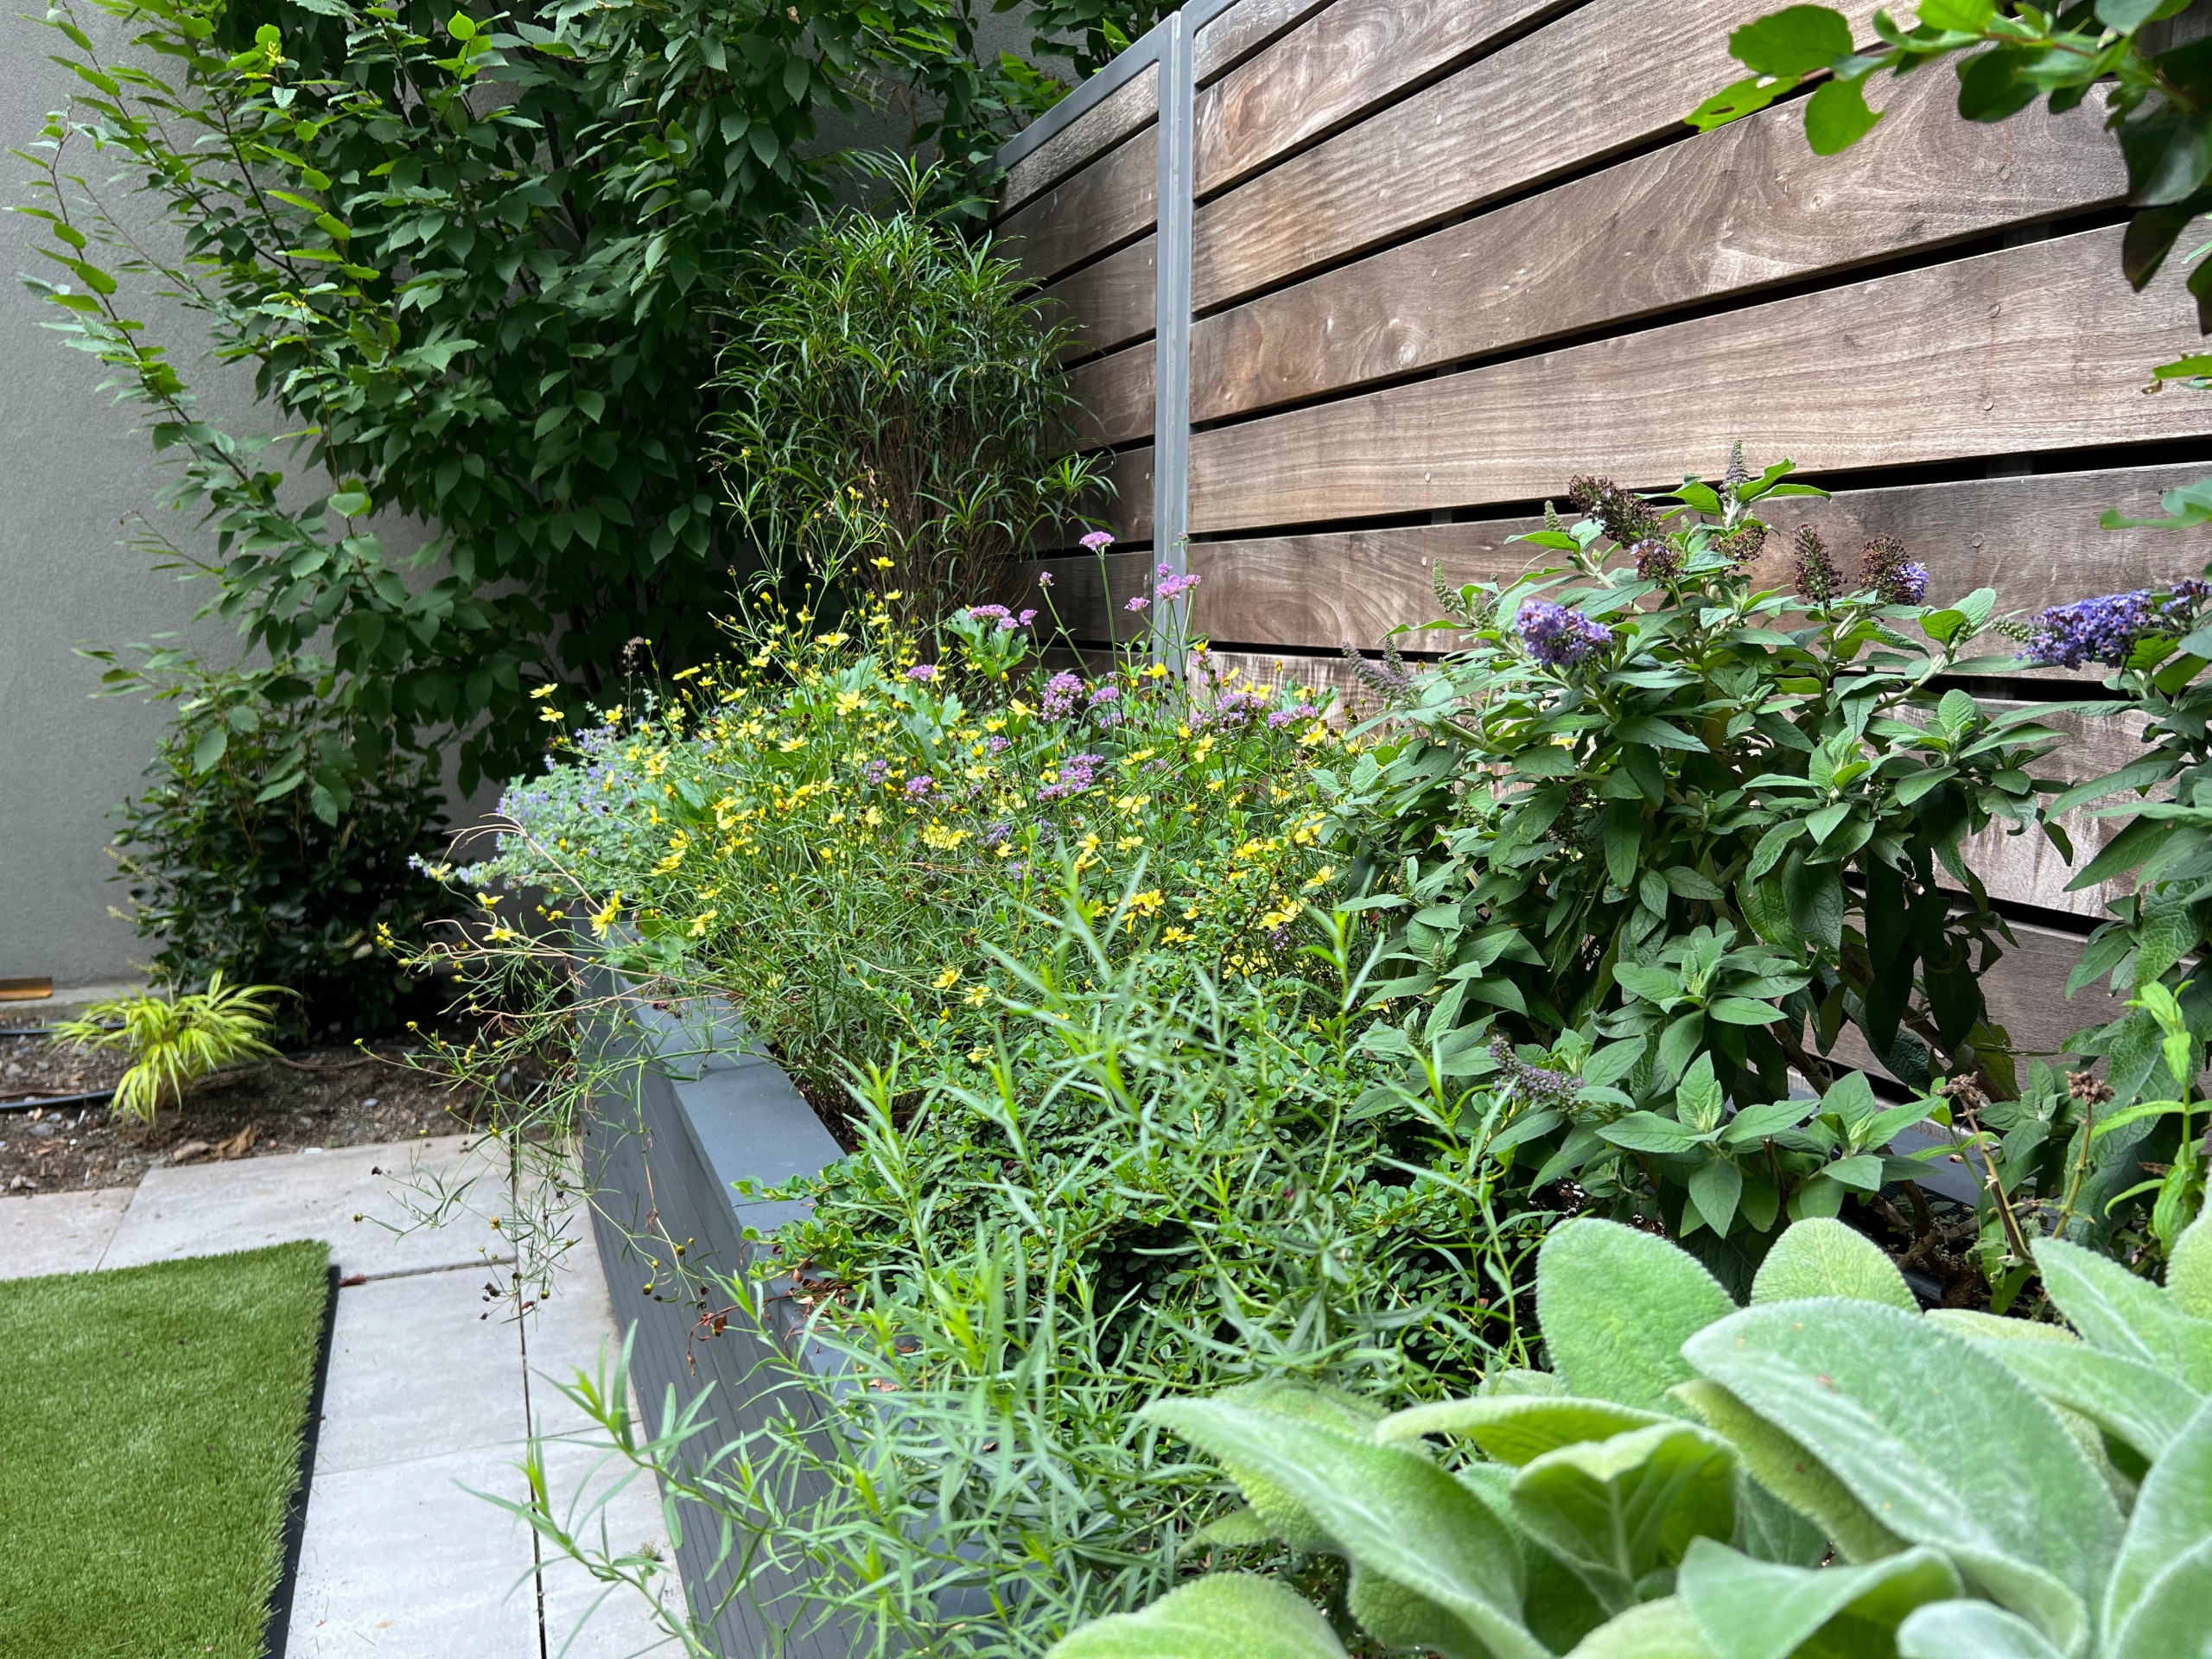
(274, 841)
(471, 263)
(890, 412)
(1089, 33)
(2007, 56)
(1684, 832)
(175, 1040)
(1910, 1436)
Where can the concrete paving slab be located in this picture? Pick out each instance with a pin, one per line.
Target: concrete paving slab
(416, 1371)
(572, 1330)
(59, 1232)
(208, 1209)
(584, 1619)
(400, 1559)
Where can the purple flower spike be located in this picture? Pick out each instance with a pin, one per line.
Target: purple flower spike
(1098, 540)
(1560, 638)
(2102, 630)
(922, 671)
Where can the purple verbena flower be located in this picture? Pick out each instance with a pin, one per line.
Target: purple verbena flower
(998, 744)
(1138, 604)
(1282, 717)
(875, 772)
(922, 671)
(1108, 692)
(919, 785)
(1044, 578)
(1077, 772)
(988, 613)
(1560, 638)
(1098, 540)
(1057, 702)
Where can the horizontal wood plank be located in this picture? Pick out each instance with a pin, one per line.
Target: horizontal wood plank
(2032, 348)
(1110, 301)
(1244, 27)
(1112, 200)
(1340, 63)
(1728, 212)
(1115, 393)
(1117, 115)
(1615, 73)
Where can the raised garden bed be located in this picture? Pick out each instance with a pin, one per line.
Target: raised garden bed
(703, 1112)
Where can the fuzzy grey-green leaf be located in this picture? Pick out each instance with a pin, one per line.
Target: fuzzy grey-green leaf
(1615, 1305)
(1820, 1256)
(1226, 1616)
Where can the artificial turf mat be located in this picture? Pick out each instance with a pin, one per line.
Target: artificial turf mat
(150, 1448)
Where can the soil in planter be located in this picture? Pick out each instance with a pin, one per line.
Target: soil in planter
(328, 1097)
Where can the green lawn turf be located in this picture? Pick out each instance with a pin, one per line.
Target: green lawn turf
(149, 1443)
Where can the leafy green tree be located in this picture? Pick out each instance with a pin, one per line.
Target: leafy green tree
(471, 261)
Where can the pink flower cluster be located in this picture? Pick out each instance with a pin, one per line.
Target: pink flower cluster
(1168, 586)
(1099, 540)
(922, 671)
(1077, 773)
(1006, 619)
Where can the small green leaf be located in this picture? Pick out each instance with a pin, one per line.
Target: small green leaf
(1763, 1610)
(2120, 1313)
(1836, 117)
(1795, 40)
(1970, 1630)
(209, 749)
(1517, 1429)
(1625, 1507)
(1715, 1187)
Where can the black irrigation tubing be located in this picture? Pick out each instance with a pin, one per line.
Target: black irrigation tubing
(98, 1098)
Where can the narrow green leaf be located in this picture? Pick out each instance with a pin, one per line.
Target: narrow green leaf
(2121, 1314)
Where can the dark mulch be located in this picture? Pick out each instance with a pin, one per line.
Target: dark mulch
(324, 1097)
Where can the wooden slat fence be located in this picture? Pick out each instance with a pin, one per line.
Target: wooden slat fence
(1360, 283)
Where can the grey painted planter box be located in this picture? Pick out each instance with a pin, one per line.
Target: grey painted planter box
(705, 1111)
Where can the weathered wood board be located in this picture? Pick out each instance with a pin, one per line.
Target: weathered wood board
(1110, 302)
(1115, 394)
(1342, 62)
(1112, 200)
(1119, 114)
(2040, 347)
(1609, 76)
(1728, 213)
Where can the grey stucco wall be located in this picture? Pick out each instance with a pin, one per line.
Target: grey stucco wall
(72, 469)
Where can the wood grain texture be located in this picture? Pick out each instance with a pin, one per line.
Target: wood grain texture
(1115, 392)
(1243, 29)
(2027, 868)
(1120, 113)
(2032, 348)
(2027, 995)
(1128, 513)
(1745, 207)
(1340, 63)
(1110, 302)
(1111, 201)
(1615, 73)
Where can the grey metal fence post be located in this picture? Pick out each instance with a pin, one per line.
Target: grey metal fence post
(1171, 422)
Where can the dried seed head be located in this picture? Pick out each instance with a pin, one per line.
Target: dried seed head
(1818, 579)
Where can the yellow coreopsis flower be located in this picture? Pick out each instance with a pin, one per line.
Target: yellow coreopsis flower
(947, 980)
(606, 919)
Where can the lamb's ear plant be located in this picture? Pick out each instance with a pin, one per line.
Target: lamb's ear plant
(1989, 1489)
(175, 1040)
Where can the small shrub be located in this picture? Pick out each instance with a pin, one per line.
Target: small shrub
(892, 411)
(175, 1040)
(255, 853)
(1687, 831)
